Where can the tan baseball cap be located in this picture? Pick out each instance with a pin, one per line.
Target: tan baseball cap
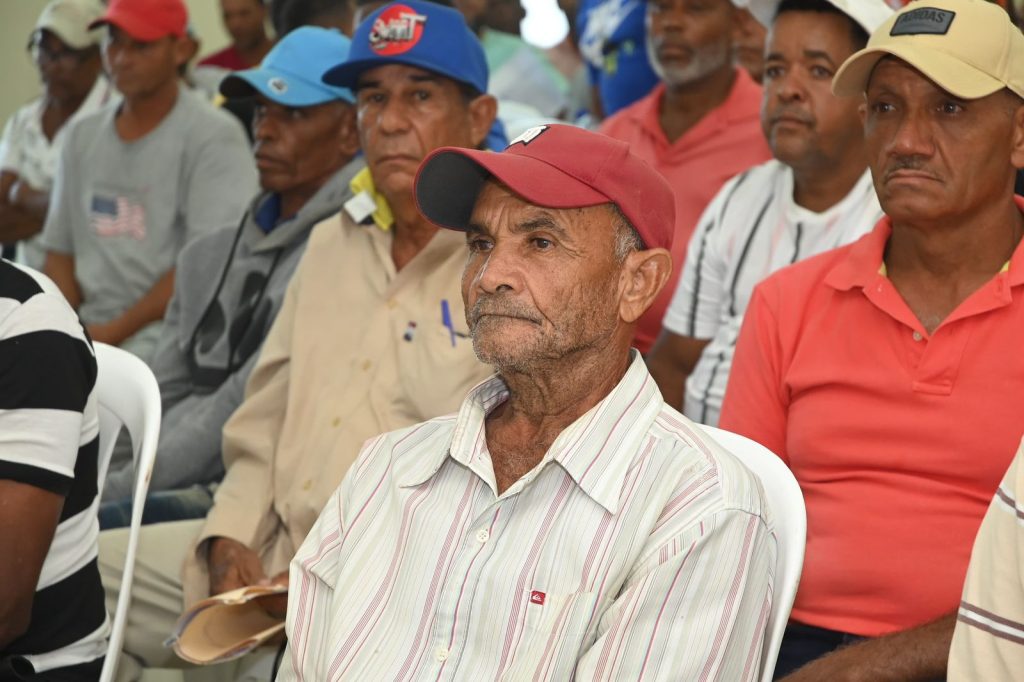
(69, 20)
(969, 48)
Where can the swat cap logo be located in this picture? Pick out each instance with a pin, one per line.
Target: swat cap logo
(528, 136)
(396, 30)
(278, 85)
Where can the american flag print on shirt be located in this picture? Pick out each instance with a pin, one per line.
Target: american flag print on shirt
(114, 216)
(636, 550)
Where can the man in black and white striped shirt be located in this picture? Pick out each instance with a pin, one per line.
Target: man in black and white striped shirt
(53, 625)
(815, 195)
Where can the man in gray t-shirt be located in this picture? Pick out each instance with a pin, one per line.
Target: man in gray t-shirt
(139, 179)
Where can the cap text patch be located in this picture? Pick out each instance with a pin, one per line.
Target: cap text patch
(926, 20)
(396, 30)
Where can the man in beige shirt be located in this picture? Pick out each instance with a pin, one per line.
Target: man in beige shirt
(371, 337)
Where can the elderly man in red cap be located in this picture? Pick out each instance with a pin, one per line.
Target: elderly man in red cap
(139, 179)
(565, 522)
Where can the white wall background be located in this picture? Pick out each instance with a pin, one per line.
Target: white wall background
(19, 81)
(544, 25)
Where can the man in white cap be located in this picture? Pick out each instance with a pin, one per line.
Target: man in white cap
(886, 373)
(815, 195)
(66, 52)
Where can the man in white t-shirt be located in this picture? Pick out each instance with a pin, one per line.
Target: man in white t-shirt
(815, 195)
(67, 55)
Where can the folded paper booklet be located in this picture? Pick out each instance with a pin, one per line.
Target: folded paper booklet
(227, 626)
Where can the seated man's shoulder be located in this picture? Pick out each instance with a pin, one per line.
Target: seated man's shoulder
(31, 303)
(407, 450)
(803, 278)
(333, 232)
(19, 285)
(745, 192)
(208, 123)
(208, 247)
(84, 130)
(706, 471)
(627, 120)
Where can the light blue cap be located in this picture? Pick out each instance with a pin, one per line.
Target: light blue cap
(292, 73)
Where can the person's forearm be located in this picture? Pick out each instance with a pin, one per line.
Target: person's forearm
(17, 223)
(60, 267)
(146, 310)
(34, 202)
(920, 653)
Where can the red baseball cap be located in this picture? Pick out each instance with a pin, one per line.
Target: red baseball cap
(555, 166)
(146, 20)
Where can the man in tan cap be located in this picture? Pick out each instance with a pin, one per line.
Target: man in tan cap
(66, 52)
(886, 373)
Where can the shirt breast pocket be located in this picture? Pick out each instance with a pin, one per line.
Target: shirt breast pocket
(437, 369)
(558, 627)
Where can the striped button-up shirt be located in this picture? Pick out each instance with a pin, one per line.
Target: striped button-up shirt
(636, 549)
(988, 643)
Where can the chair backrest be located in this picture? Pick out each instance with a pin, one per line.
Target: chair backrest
(786, 502)
(126, 394)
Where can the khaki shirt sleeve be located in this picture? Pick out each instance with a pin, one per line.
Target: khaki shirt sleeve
(243, 506)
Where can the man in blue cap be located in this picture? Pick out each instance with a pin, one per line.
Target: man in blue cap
(231, 284)
(372, 333)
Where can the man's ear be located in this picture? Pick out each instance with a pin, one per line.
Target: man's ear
(482, 112)
(644, 275)
(185, 49)
(348, 135)
(1017, 137)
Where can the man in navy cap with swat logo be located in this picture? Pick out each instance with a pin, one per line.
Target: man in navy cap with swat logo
(371, 335)
(566, 523)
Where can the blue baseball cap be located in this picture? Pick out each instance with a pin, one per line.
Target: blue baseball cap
(420, 34)
(291, 73)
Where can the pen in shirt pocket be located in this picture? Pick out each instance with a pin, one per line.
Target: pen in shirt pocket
(446, 320)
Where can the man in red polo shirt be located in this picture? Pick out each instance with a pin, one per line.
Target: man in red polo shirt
(245, 22)
(887, 373)
(698, 128)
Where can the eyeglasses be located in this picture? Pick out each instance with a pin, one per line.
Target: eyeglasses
(68, 58)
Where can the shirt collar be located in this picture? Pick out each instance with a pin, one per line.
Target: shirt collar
(374, 203)
(268, 212)
(596, 450)
(864, 259)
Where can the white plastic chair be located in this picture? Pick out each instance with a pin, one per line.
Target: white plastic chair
(126, 394)
(786, 501)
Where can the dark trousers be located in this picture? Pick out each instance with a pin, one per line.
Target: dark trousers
(805, 643)
(17, 669)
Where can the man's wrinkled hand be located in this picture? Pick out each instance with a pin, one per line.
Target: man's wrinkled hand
(232, 565)
(276, 606)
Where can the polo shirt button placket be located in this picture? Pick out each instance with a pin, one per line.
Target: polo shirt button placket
(917, 336)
